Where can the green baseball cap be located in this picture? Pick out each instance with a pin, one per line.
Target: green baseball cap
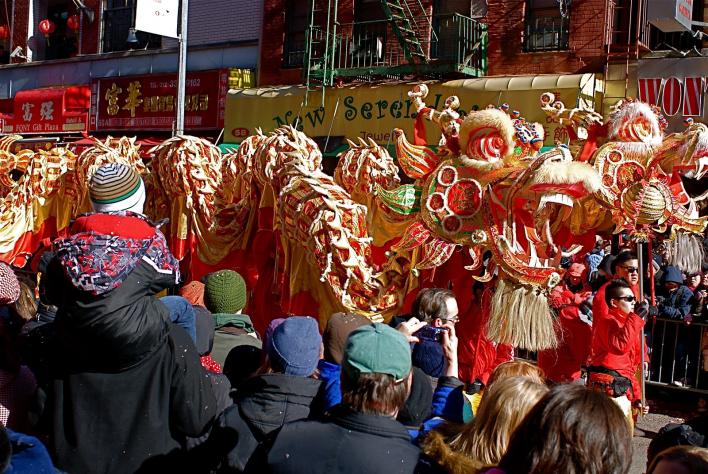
(377, 349)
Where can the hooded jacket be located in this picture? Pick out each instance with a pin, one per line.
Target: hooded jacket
(452, 462)
(262, 405)
(677, 303)
(125, 386)
(348, 442)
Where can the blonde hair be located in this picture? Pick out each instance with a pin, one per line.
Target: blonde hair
(25, 306)
(516, 368)
(503, 407)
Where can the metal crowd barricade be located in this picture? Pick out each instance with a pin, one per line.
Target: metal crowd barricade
(676, 352)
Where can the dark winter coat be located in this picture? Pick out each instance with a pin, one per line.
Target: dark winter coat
(347, 443)
(125, 387)
(677, 303)
(262, 405)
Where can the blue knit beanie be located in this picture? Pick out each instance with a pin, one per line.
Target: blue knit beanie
(429, 357)
(295, 346)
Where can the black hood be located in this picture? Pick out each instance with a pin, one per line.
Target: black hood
(269, 401)
(114, 331)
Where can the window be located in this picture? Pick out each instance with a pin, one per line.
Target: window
(118, 18)
(546, 28)
(297, 19)
(63, 43)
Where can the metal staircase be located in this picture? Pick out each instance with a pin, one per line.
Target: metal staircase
(405, 28)
(425, 46)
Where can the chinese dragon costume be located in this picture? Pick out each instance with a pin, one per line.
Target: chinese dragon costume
(360, 240)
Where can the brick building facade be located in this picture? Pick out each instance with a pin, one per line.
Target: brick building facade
(508, 56)
(525, 37)
(507, 26)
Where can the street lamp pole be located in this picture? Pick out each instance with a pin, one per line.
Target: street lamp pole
(182, 72)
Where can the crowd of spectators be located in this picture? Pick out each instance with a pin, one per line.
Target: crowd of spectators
(99, 374)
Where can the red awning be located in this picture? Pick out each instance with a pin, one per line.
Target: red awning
(49, 111)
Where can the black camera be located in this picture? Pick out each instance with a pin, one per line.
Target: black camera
(430, 333)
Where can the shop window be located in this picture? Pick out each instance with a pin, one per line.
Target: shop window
(369, 33)
(297, 19)
(118, 19)
(547, 25)
(63, 43)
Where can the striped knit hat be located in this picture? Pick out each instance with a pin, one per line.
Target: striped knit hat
(117, 187)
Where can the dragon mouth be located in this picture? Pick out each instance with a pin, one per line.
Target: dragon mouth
(555, 206)
(557, 198)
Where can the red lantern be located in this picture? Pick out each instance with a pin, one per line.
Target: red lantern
(4, 32)
(47, 27)
(73, 22)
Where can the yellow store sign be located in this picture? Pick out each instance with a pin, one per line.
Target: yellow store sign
(373, 111)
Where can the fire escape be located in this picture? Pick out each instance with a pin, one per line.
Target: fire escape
(626, 34)
(408, 43)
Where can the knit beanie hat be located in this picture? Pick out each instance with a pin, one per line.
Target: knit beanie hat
(268, 336)
(193, 292)
(672, 274)
(117, 187)
(339, 326)
(9, 286)
(295, 346)
(419, 404)
(376, 349)
(577, 270)
(225, 292)
(429, 357)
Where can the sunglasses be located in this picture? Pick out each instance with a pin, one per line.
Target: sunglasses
(628, 299)
(631, 269)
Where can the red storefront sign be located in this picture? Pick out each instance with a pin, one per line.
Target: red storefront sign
(49, 111)
(149, 102)
(675, 95)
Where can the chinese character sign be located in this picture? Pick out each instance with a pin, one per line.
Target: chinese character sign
(27, 111)
(133, 100)
(49, 110)
(149, 102)
(46, 111)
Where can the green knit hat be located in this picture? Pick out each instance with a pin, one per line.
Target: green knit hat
(225, 292)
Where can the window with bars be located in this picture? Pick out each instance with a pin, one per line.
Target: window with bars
(118, 18)
(547, 25)
(297, 17)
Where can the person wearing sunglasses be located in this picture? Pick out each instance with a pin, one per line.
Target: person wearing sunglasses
(616, 354)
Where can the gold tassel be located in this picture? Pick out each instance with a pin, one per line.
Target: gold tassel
(520, 316)
(686, 252)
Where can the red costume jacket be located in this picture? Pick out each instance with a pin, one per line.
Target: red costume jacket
(563, 363)
(616, 346)
(477, 355)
